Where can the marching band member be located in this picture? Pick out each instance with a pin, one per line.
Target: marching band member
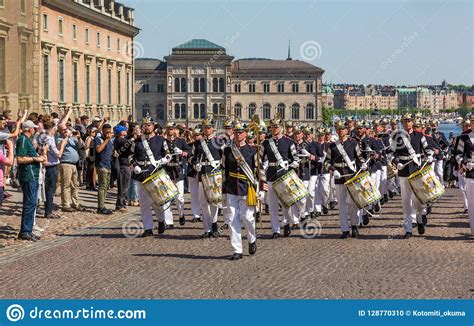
(332, 186)
(314, 154)
(394, 185)
(375, 154)
(207, 155)
(343, 158)
(298, 211)
(262, 135)
(178, 149)
(228, 139)
(194, 181)
(465, 160)
(241, 185)
(319, 149)
(440, 138)
(407, 146)
(147, 154)
(382, 134)
(461, 172)
(280, 151)
(289, 129)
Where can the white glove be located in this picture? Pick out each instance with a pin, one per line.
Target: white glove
(215, 164)
(177, 151)
(285, 165)
(295, 165)
(336, 174)
(364, 166)
(470, 166)
(137, 170)
(261, 195)
(429, 159)
(165, 160)
(304, 153)
(198, 167)
(399, 166)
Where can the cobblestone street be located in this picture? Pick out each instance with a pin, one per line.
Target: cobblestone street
(101, 262)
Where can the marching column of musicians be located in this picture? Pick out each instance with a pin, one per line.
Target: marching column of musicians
(298, 170)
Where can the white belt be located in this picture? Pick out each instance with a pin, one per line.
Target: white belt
(275, 163)
(408, 158)
(210, 163)
(342, 165)
(174, 164)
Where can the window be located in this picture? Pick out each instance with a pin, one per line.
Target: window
(98, 39)
(160, 112)
(176, 111)
(128, 88)
(237, 88)
(22, 6)
(183, 111)
(61, 79)
(177, 85)
(310, 111)
(74, 31)
(108, 42)
(202, 109)
(281, 110)
(99, 84)
(281, 87)
(196, 85)
(146, 88)
(252, 110)
(118, 45)
(251, 87)
(45, 76)
(23, 68)
(87, 36)
(160, 88)
(60, 26)
(309, 88)
(74, 82)
(266, 87)
(119, 87)
(221, 85)
(45, 22)
(196, 111)
(109, 86)
(202, 85)
(88, 84)
(126, 48)
(180, 111)
(215, 85)
(295, 111)
(238, 110)
(215, 108)
(266, 111)
(183, 85)
(295, 87)
(145, 111)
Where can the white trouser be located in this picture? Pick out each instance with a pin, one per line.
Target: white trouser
(470, 196)
(273, 205)
(225, 209)
(438, 167)
(332, 190)
(393, 184)
(376, 177)
(299, 209)
(179, 203)
(240, 212)
(321, 196)
(383, 181)
(310, 200)
(195, 198)
(347, 208)
(462, 186)
(146, 205)
(209, 212)
(412, 208)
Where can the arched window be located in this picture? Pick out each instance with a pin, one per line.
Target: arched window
(252, 110)
(202, 85)
(176, 111)
(310, 111)
(238, 110)
(215, 108)
(281, 110)
(215, 85)
(221, 85)
(196, 85)
(145, 110)
(203, 110)
(266, 111)
(196, 111)
(176, 85)
(295, 111)
(160, 112)
(183, 85)
(222, 109)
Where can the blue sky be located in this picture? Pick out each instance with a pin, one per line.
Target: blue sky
(398, 42)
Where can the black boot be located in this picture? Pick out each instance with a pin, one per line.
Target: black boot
(215, 230)
(266, 209)
(344, 235)
(312, 215)
(428, 209)
(424, 219)
(385, 198)
(257, 217)
(391, 194)
(147, 233)
(332, 204)
(161, 227)
(421, 229)
(377, 207)
(355, 232)
(407, 235)
(182, 220)
(325, 210)
(253, 248)
(365, 219)
(286, 230)
(236, 256)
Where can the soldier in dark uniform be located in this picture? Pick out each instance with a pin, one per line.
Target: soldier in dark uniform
(320, 177)
(178, 149)
(384, 137)
(143, 166)
(440, 155)
(407, 164)
(299, 211)
(240, 186)
(344, 159)
(289, 159)
(206, 163)
(194, 180)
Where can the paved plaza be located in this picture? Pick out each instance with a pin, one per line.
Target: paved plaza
(99, 261)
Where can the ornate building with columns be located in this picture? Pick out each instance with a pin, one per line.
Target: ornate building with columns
(199, 78)
(74, 54)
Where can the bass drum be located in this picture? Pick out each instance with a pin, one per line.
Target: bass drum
(426, 185)
(289, 189)
(363, 190)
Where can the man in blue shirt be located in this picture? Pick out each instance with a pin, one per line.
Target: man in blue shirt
(103, 164)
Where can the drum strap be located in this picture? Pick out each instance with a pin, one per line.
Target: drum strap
(148, 151)
(206, 150)
(410, 149)
(275, 151)
(345, 157)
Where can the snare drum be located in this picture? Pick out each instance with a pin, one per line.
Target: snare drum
(426, 185)
(160, 187)
(212, 185)
(363, 190)
(289, 189)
